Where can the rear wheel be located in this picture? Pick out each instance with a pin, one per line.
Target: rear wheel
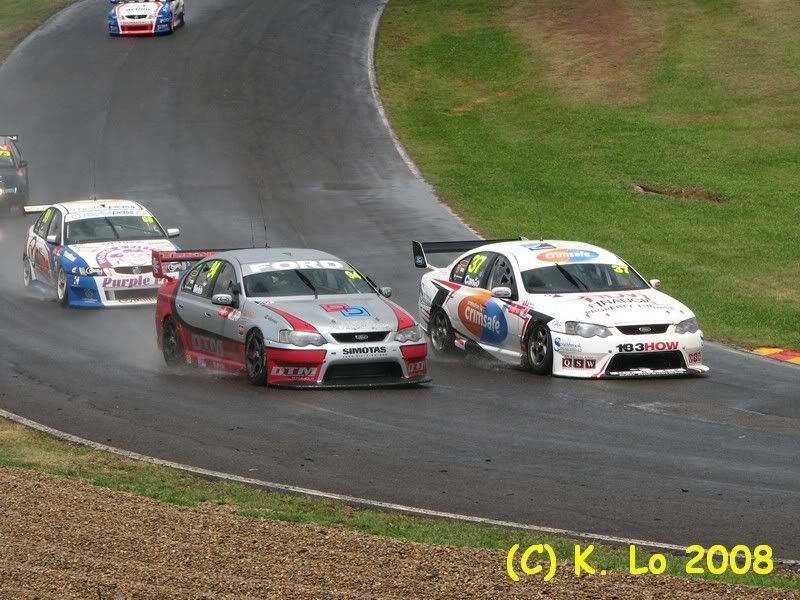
(441, 333)
(539, 350)
(255, 358)
(171, 344)
(27, 271)
(62, 292)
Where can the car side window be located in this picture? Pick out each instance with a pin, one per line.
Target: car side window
(460, 270)
(15, 153)
(43, 223)
(204, 282)
(55, 226)
(503, 275)
(225, 280)
(477, 268)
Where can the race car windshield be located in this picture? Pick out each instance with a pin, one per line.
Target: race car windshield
(581, 277)
(295, 282)
(110, 229)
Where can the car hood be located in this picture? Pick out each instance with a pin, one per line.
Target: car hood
(108, 255)
(613, 308)
(332, 314)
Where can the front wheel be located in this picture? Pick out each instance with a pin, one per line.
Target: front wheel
(441, 333)
(171, 344)
(539, 350)
(255, 358)
(62, 292)
(27, 271)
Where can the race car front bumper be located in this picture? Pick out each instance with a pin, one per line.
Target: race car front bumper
(628, 356)
(347, 365)
(95, 292)
(137, 27)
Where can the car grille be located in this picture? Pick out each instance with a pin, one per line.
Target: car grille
(368, 372)
(646, 360)
(634, 329)
(132, 295)
(137, 270)
(357, 337)
(135, 17)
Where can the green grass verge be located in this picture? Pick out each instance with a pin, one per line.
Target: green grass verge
(19, 17)
(24, 448)
(530, 121)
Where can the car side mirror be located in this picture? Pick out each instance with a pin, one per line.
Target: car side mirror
(173, 232)
(22, 164)
(655, 283)
(501, 292)
(52, 239)
(386, 292)
(222, 299)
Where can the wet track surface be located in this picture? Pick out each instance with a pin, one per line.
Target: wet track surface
(265, 108)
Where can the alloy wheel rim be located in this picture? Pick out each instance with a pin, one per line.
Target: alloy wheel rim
(438, 331)
(171, 341)
(26, 272)
(62, 284)
(539, 347)
(254, 357)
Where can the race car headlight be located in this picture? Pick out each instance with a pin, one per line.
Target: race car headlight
(587, 330)
(409, 334)
(90, 271)
(300, 338)
(687, 326)
(8, 190)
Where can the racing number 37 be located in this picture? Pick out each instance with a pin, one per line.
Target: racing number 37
(476, 263)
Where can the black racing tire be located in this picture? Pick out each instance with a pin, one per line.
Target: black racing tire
(255, 358)
(539, 350)
(440, 332)
(27, 272)
(171, 344)
(62, 290)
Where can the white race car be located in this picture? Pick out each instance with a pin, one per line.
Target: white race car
(566, 308)
(95, 252)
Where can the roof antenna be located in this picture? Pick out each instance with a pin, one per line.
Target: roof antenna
(252, 234)
(94, 177)
(263, 216)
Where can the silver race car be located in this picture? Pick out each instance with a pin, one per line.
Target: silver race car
(285, 316)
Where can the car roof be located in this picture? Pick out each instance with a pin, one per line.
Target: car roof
(76, 207)
(247, 256)
(534, 254)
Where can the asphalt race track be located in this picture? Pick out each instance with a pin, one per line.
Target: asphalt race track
(266, 106)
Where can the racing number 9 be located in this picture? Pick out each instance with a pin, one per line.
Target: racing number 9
(476, 263)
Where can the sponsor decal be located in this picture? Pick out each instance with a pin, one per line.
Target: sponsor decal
(519, 310)
(295, 372)
(483, 317)
(561, 345)
(288, 265)
(417, 368)
(122, 256)
(695, 357)
(647, 346)
(578, 363)
(241, 329)
(346, 310)
(601, 303)
(207, 345)
(366, 350)
(69, 256)
(230, 313)
(567, 255)
(129, 282)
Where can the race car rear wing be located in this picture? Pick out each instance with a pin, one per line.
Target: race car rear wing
(419, 249)
(170, 263)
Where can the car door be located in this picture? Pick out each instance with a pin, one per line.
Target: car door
(516, 315)
(196, 312)
(465, 307)
(38, 249)
(233, 330)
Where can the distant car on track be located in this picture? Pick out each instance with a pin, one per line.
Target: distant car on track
(95, 252)
(140, 17)
(560, 307)
(284, 316)
(13, 174)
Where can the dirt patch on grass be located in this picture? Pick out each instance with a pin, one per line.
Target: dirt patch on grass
(598, 51)
(685, 193)
(67, 539)
(475, 103)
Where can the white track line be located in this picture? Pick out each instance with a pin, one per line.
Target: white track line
(373, 83)
(365, 502)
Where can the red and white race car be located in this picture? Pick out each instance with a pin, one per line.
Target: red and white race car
(142, 17)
